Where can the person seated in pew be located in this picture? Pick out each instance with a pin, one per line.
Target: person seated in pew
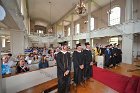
(35, 59)
(51, 57)
(21, 67)
(5, 67)
(43, 63)
(29, 58)
(11, 60)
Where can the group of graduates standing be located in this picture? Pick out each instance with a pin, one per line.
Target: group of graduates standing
(82, 62)
(113, 56)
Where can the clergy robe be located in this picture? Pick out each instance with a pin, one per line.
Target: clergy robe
(63, 61)
(78, 72)
(87, 60)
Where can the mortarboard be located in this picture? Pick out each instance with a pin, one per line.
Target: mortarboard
(87, 43)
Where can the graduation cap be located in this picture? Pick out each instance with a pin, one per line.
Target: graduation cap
(78, 45)
(115, 44)
(110, 45)
(63, 43)
(107, 46)
(87, 43)
(118, 45)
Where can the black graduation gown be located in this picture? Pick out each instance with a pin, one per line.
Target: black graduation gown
(115, 56)
(63, 64)
(87, 67)
(112, 57)
(78, 72)
(119, 56)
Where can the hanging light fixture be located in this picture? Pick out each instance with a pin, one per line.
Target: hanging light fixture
(80, 8)
(50, 30)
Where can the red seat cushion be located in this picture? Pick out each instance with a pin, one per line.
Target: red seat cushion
(138, 88)
(132, 85)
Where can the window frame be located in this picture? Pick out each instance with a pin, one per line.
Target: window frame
(109, 16)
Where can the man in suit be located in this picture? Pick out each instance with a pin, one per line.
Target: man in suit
(107, 56)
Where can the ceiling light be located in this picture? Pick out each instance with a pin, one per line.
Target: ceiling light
(80, 8)
(50, 30)
(8, 41)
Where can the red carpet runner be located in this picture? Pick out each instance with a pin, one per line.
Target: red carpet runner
(115, 81)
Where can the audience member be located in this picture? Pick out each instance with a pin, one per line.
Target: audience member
(5, 67)
(21, 67)
(43, 63)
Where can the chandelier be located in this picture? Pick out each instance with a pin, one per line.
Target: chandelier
(50, 30)
(80, 8)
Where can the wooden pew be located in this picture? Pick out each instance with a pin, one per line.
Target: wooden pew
(46, 86)
(42, 87)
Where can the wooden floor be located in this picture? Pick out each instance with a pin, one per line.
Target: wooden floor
(97, 87)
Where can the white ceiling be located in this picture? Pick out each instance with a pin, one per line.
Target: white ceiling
(40, 9)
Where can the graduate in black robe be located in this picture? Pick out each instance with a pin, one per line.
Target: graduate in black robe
(63, 61)
(115, 58)
(112, 55)
(119, 55)
(88, 62)
(78, 63)
(107, 55)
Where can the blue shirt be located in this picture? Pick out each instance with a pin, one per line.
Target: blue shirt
(5, 69)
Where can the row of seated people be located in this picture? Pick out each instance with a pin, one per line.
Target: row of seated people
(23, 63)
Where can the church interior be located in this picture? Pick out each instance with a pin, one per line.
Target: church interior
(34, 32)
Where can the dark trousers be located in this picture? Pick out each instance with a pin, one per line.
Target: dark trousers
(119, 59)
(88, 72)
(114, 61)
(107, 62)
(78, 75)
(64, 84)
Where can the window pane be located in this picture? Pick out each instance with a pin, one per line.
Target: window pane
(69, 31)
(3, 42)
(77, 28)
(114, 40)
(68, 43)
(77, 42)
(92, 24)
(114, 16)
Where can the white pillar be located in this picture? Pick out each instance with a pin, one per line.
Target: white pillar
(0, 67)
(127, 48)
(29, 24)
(129, 10)
(89, 21)
(72, 32)
(17, 42)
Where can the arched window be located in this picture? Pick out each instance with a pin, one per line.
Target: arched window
(69, 31)
(77, 29)
(114, 16)
(92, 24)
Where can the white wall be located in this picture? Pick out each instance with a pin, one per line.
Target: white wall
(103, 41)
(17, 42)
(26, 80)
(136, 46)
